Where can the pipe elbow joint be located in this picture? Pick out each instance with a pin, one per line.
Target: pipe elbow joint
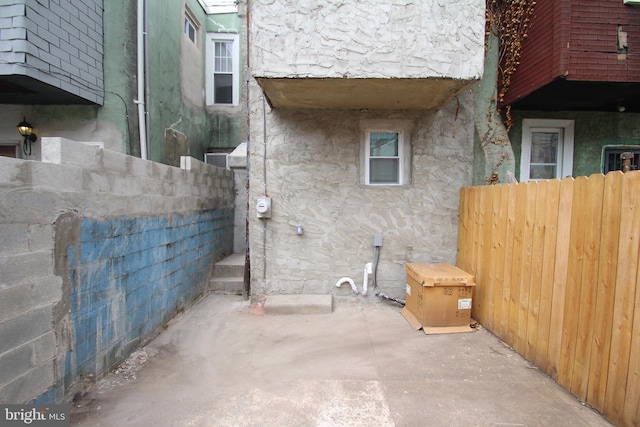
(347, 280)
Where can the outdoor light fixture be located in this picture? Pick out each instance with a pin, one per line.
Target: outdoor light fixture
(26, 130)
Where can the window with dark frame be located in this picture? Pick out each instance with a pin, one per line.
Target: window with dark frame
(612, 159)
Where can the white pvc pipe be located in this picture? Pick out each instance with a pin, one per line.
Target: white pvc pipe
(350, 281)
(368, 269)
(142, 122)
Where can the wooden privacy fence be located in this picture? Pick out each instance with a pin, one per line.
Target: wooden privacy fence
(556, 266)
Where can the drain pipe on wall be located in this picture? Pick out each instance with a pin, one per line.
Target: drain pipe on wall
(147, 92)
(371, 268)
(142, 122)
(246, 286)
(264, 193)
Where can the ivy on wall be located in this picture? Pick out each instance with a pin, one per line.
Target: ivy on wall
(510, 19)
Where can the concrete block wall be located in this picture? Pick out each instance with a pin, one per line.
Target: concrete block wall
(58, 42)
(368, 39)
(99, 250)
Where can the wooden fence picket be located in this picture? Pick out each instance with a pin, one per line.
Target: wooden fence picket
(558, 279)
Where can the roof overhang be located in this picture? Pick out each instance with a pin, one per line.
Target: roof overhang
(20, 89)
(566, 95)
(362, 93)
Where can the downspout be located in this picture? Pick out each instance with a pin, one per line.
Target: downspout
(264, 192)
(246, 288)
(142, 126)
(147, 92)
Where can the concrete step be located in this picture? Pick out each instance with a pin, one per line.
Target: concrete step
(298, 304)
(228, 275)
(227, 285)
(232, 266)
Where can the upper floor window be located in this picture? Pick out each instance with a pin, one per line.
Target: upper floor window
(547, 149)
(191, 26)
(223, 79)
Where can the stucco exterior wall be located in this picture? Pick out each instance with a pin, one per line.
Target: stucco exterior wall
(176, 87)
(312, 160)
(593, 131)
(334, 38)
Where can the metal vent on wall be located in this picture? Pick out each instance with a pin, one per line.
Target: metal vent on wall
(217, 159)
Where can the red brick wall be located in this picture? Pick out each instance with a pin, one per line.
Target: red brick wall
(577, 39)
(594, 41)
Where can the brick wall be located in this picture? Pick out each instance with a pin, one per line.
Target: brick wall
(594, 54)
(58, 42)
(99, 250)
(578, 40)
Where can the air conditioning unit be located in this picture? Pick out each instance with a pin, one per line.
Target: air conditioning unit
(631, 2)
(217, 159)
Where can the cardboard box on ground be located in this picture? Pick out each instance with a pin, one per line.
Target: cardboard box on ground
(438, 298)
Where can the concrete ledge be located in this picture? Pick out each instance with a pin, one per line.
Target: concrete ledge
(299, 304)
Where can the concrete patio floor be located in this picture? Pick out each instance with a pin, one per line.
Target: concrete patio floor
(223, 364)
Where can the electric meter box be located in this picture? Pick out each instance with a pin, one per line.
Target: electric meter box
(439, 298)
(263, 207)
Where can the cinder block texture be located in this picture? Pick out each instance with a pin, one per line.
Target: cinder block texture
(129, 276)
(100, 250)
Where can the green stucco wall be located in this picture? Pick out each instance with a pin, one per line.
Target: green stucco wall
(177, 81)
(179, 121)
(593, 131)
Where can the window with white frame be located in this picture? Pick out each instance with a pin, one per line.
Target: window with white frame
(547, 149)
(191, 26)
(385, 152)
(223, 77)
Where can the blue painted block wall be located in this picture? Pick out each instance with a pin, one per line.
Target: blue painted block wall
(129, 276)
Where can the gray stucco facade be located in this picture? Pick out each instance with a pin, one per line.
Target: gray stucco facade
(310, 159)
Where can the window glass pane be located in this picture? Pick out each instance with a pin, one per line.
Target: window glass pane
(384, 171)
(223, 88)
(544, 147)
(223, 57)
(542, 172)
(383, 144)
(190, 30)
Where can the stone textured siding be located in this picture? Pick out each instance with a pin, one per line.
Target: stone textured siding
(99, 250)
(313, 177)
(58, 42)
(368, 39)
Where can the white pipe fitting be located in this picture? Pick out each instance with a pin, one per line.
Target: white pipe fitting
(348, 280)
(368, 269)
